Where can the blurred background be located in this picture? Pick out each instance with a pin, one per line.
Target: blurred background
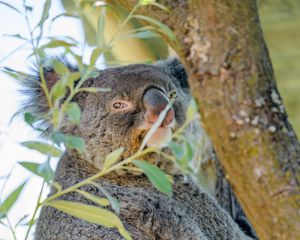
(280, 22)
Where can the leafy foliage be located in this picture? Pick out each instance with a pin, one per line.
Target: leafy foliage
(157, 177)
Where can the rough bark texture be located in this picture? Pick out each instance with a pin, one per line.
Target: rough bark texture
(232, 78)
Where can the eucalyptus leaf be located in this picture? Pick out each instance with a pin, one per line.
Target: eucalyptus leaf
(94, 89)
(13, 73)
(11, 7)
(176, 150)
(113, 157)
(74, 113)
(95, 55)
(157, 177)
(29, 118)
(10, 200)
(101, 28)
(74, 142)
(21, 220)
(57, 137)
(55, 44)
(192, 109)
(66, 14)
(154, 3)
(189, 150)
(113, 201)
(57, 186)
(19, 36)
(59, 90)
(45, 14)
(100, 201)
(71, 78)
(141, 35)
(164, 28)
(71, 141)
(43, 148)
(42, 170)
(91, 214)
(60, 68)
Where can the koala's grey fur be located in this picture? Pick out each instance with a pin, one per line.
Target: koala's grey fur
(191, 213)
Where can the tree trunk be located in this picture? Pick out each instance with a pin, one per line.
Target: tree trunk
(232, 79)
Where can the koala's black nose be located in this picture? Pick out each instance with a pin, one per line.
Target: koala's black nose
(155, 101)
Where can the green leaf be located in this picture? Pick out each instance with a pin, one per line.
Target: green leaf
(21, 220)
(16, 36)
(55, 44)
(42, 170)
(101, 28)
(56, 115)
(57, 137)
(93, 74)
(10, 200)
(95, 55)
(189, 150)
(60, 68)
(13, 73)
(71, 142)
(113, 157)
(66, 14)
(95, 90)
(43, 148)
(164, 28)
(29, 118)
(154, 3)
(91, 214)
(100, 201)
(157, 177)
(113, 201)
(74, 142)
(57, 186)
(176, 150)
(74, 113)
(141, 35)
(10, 6)
(59, 90)
(28, 8)
(72, 77)
(45, 14)
(192, 109)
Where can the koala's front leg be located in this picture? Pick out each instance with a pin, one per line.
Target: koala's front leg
(158, 216)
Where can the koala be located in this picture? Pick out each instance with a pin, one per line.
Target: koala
(121, 118)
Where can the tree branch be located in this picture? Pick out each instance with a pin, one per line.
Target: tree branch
(232, 79)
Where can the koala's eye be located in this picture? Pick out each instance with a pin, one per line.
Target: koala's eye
(173, 95)
(119, 105)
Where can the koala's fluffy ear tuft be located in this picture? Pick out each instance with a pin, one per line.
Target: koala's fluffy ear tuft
(174, 67)
(34, 97)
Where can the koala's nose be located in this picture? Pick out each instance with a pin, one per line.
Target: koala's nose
(155, 101)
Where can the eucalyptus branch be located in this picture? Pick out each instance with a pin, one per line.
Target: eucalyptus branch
(34, 47)
(176, 134)
(11, 228)
(100, 174)
(13, 51)
(38, 205)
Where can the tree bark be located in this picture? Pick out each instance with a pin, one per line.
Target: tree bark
(232, 79)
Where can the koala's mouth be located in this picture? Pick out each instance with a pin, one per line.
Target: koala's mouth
(160, 137)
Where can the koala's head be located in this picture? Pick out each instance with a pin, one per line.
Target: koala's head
(122, 116)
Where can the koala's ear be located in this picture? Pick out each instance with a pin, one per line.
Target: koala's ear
(35, 101)
(52, 77)
(174, 67)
